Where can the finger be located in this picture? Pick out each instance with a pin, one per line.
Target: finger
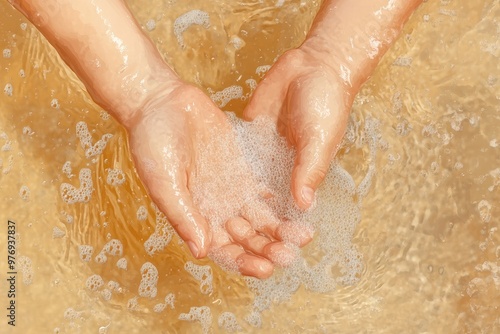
(263, 220)
(247, 264)
(243, 234)
(173, 198)
(311, 165)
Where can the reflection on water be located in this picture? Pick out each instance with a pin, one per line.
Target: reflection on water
(428, 232)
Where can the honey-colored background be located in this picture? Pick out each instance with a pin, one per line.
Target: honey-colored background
(428, 235)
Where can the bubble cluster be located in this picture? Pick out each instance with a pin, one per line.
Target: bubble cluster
(132, 304)
(221, 98)
(72, 314)
(24, 193)
(266, 167)
(161, 236)
(236, 42)
(106, 294)
(26, 268)
(169, 301)
(261, 70)
(122, 263)
(201, 314)
(8, 89)
(85, 252)
(151, 25)
(94, 282)
(55, 103)
(203, 274)
(91, 150)
(115, 177)
(142, 213)
(71, 195)
(227, 321)
(484, 208)
(66, 169)
(254, 319)
(183, 22)
(114, 247)
(57, 233)
(27, 131)
(147, 287)
(6, 53)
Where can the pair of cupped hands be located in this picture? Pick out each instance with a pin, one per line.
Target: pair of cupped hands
(310, 105)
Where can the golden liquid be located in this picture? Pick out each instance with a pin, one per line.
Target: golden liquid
(428, 233)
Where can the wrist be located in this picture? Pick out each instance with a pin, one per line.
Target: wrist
(332, 58)
(137, 88)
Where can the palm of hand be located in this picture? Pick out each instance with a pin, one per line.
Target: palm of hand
(173, 142)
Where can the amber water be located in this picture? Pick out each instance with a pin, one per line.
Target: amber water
(428, 233)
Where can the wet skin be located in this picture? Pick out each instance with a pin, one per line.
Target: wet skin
(308, 92)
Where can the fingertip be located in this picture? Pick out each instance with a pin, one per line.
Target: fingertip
(254, 266)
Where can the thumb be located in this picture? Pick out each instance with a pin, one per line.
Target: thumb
(174, 200)
(311, 165)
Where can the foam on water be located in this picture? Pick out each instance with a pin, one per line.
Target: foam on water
(71, 194)
(113, 247)
(266, 167)
(201, 314)
(147, 287)
(203, 274)
(188, 19)
(227, 320)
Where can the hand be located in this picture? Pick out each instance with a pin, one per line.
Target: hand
(169, 140)
(310, 104)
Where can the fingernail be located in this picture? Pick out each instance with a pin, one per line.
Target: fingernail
(193, 248)
(307, 195)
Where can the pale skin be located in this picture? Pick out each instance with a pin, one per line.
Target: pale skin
(308, 92)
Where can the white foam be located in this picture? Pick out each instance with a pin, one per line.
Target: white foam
(8, 89)
(94, 282)
(236, 42)
(142, 213)
(484, 208)
(66, 169)
(161, 236)
(91, 150)
(151, 25)
(114, 247)
(203, 274)
(147, 287)
(227, 321)
(183, 22)
(85, 252)
(55, 103)
(132, 304)
(57, 233)
(6, 53)
(72, 314)
(201, 314)
(115, 177)
(24, 193)
(221, 98)
(26, 268)
(261, 70)
(122, 263)
(106, 294)
(267, 166)
(169, 301)
(71, 195)
(27, 131)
